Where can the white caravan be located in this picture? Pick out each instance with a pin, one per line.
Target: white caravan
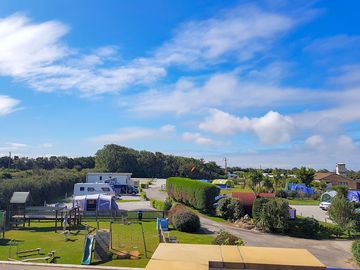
(92, 188)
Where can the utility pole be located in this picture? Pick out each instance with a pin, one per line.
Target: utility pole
(225, 159)
(9, 163)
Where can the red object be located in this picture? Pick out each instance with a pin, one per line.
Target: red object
(248, 198)
(193, 168)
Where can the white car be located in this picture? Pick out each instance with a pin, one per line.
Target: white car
(325, 205)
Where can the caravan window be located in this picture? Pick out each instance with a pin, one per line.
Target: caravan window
(82, 188)
(106, 189)
(90, 189)
(100, 178)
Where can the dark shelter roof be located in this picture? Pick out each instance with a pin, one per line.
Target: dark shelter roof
(20, 197)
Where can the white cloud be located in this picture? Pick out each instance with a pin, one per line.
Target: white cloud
(47, 145)
(13, 146)
(8, 105)
(133, 134)
(241, 32)
(272, 128)
(197, 138)
(168, 128)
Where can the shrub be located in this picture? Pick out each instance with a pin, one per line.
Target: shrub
(342, 212)
(328, 230)
(355, 248)
(143, 195)
(292, 194)
(161, 205)
(274, 215)
(199, 195)
(230, 209)
(186, 221)
(257, 207)
(279, 193)
(305, 227)
(225, 238)
(237, 209)
(174, 209)
(222, 208)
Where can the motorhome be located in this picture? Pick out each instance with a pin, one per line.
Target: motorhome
(92, 188)
(121, 183)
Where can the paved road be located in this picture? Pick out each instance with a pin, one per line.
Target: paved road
(154, 190)
(330, 252)
(135, 206)
(312, 211)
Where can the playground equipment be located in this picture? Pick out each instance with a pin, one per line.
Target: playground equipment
(88, 248)
(128, 241)
(20, 254)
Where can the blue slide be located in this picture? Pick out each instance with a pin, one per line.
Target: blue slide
(88, 246)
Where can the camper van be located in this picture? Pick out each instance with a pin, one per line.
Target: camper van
(92, 188)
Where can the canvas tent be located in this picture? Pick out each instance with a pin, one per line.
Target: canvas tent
(328, 196)
(301, 188)
(95, 202)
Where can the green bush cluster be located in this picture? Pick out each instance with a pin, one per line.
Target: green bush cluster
(356, 250)
(230, 209)
(305, 227)
(273, 215)
(186, 221)
(225, 238)
(161, 205)
(257, 207)
(199, 195)
(43, 185)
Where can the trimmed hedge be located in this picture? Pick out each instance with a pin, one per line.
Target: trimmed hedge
(199, 195)
(355, 248)
(186, 221)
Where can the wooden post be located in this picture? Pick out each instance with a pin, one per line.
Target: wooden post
(56, 216)
(143, 235)
(24, 221)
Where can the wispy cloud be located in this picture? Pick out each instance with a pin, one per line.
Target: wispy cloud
(197, 138)
(133, 134)
(8, 105)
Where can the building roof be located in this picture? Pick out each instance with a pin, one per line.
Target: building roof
(330, 176)
(191, 256)
(20, 197)
(248, 198)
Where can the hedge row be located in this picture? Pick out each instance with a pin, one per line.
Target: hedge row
(43, 185)
(199, 195)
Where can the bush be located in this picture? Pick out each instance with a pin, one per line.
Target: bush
(225, 238)
(174, 209)
(330, 230)
(274, 215)
(143, 195)
(257, 207)
(305, 227)
(292, 194)
(230, 209)
(355, 248)
(186, 221)
(161, 205)
(279, 193)
(199, 195)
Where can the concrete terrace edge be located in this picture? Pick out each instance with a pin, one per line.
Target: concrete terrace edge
(69, 266)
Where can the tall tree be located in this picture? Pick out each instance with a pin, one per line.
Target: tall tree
(306, 175)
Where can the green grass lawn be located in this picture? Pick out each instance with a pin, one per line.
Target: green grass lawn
(123, 201)
(303, 202)
(125, 238)
(236, 188)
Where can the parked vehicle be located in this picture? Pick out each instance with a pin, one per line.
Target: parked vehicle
(325, 205)
(92, 188)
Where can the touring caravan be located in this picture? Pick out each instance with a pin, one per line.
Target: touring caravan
(92, 188)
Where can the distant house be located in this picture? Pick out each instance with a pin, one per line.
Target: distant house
(333, 179)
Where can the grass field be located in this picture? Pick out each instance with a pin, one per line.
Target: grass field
(123, 201)
(303, 202)
(236, 188)
(125, 237)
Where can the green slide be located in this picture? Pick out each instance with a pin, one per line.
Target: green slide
(88, 246)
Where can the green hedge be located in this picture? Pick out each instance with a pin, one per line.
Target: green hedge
(356, 250)
(194, 193)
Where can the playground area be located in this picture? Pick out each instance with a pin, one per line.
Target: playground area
(40, 243)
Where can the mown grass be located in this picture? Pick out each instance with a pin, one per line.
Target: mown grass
(125, 237)
(303, 202)
(236, 188)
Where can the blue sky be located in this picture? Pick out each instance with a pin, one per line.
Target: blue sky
(263, 83)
